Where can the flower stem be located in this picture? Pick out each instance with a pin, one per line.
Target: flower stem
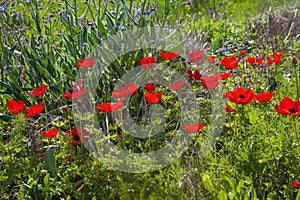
(270, 140)
(277, 82)
(267, 124)
(107, 127)
(297, 81)
(46, 114)
(241, 119)
(296, 131)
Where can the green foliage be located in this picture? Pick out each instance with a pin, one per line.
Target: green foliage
(255, 157)
(50, 162)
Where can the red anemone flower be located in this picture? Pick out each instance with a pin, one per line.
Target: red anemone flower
(51, 133)
(196, 57)
(15, 107)
(177, 86)
(168, 56)
(240, 96)
(269, 62)
(229, 63)
(150, 87)
(34, 110)
(76, 133)
(129, 90)
(120, 93)
(288, 107)
(210, 59)
(252, 60)
(86, 63)
(258, 61)
(39, 91)
(193, 128)
(242, 53)
(76, 92)
(75, 140)
(194, 75)
(69, 159)
(225, 76)
(296, 184)
(210, 82)
(264, 96)
(153, 98)
(229, 109)
(147, 63)
(110, 107)
(276, 60)
(80, 81)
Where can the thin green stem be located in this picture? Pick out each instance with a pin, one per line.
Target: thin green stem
(240, 119)
(243, 119)
(267, 124)
(46, 114)
(296, 131)
(270, 140)
(107, 127)
(297, 81)
(277, 83)
(11, 161)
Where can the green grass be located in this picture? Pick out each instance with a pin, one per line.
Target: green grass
(256, 155)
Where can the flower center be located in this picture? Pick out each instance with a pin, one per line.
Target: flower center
(292, 110)
(242, 96)
(76, 138)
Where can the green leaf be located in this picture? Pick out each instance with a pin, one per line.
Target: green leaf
(240, 186)
(230, 181)
(298, 195)
(35, 15)
(47, 186)
(18, 149)
(101, 27)
(253, 192)
(110, 22)
(50, 162)
(47, 180)
(208, 185)
(222, 195)
(68, 44)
